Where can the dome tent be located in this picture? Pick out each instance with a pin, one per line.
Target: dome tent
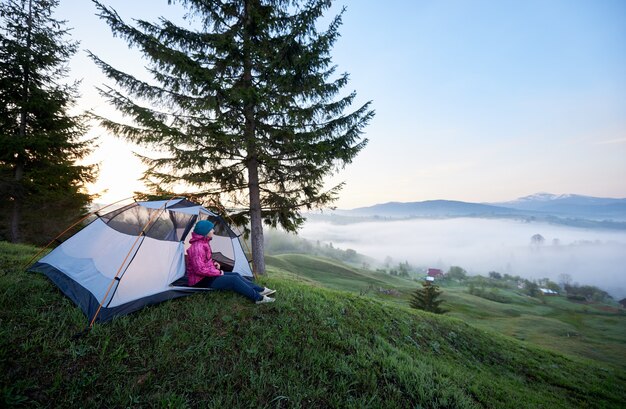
(135, 256)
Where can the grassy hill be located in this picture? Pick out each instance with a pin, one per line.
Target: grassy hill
(333, 274)
(314, 348)
(593, 331)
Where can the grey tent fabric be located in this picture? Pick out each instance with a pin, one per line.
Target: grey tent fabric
(110, 261)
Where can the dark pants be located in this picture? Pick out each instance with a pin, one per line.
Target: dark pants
(233, 282)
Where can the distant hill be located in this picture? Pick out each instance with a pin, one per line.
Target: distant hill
(570, 205)
(583, 211)
(433, 208)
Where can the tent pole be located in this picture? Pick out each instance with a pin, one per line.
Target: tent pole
(142, 233)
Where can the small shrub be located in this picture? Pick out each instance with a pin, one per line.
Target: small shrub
(576, 298)
(492, 295)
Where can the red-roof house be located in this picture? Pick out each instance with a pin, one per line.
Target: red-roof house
(435, 273)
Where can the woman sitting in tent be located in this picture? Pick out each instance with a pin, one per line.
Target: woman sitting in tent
(203, 271)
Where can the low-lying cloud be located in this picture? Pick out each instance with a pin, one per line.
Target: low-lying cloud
(591, 257)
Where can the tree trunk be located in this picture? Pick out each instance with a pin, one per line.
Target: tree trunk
(256, 220)
(16, 215)
(18, 173)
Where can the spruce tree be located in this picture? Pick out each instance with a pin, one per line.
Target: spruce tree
(41, 184)
(245, 107)
(426, 298)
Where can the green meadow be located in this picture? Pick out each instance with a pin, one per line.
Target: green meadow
(337, 337)
(594, 331)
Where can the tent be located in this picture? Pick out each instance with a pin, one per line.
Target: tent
(135, 256)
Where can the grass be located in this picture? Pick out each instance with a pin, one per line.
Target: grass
(589, 331)
(313, 348)
(554, 323)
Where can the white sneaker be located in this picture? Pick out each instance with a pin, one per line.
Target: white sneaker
(267, 291)
(265, 299)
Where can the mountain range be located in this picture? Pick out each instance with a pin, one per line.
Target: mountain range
(540, 205)
(570, 205)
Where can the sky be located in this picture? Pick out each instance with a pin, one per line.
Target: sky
(481, 101)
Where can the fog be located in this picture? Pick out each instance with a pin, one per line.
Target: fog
(590, 257)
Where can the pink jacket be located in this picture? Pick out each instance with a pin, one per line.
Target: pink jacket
(199, 262)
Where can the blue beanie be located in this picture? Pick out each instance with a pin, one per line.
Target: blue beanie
(203, 227)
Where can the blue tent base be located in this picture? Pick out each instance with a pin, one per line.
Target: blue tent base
(89, 304)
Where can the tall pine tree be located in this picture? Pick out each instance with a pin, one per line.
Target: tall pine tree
(427, 298)
(245, 106)
(41, 184)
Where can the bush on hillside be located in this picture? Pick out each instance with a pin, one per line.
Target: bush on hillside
(576, 298)
(492, 295)
(456, 273)
(403, 270)
(531, 288)
(484, 282)
(586, 292)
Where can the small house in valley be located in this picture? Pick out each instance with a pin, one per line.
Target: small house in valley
(435, 273)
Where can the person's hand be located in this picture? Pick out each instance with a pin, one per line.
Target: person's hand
(217, 265)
